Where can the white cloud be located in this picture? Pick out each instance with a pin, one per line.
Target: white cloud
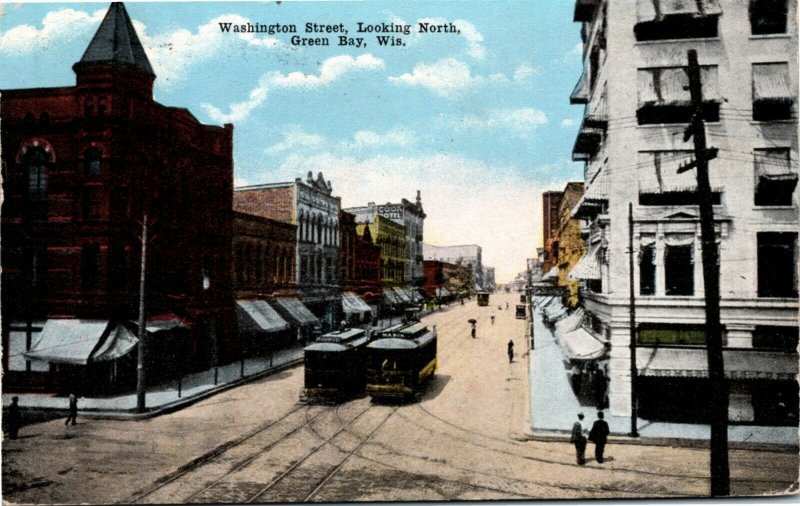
(524, 72)
(567, 123)
(394, 137)
(519, 122)
(330, 70)
(468, 32)
(473, 37)
(57, 26)
(449, 78)
(295, 139)
(172, 53)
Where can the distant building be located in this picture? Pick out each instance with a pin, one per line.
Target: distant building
(390, 236)
(488, 279)
(412, 217)
(82, 165)
(571, 246)
(468, 255)
(551, 204)
(310, 206)
(360, 264)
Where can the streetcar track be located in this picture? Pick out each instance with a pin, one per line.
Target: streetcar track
(294, 466)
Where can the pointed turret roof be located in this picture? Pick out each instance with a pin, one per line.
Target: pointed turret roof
(116, 42)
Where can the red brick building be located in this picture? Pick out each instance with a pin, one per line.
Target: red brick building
(82, 165)
(263, 257)
(551, 203)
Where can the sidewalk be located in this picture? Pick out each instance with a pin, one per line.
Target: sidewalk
(554, 407)
(164, 398)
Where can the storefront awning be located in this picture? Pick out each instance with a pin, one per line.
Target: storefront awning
(551, 274)
(259, 315)
(119, 343)
(71, 341)
(570, 323)
(402, 296)
(693, 363)
(580, 345)
(390, 297)
(355, 305)
(163, 322)
(588, 267)
(443, 292)
(554, 311)
(296, 311)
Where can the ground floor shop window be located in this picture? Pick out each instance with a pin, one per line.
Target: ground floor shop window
(775, 403)
(681, 400)
(775, 337)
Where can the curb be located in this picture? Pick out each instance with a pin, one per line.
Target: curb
(557, 436)
(171, 407)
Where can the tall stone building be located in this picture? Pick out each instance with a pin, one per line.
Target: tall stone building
(632, 143)
(82, 166)
(412, 217)
(311, 206)
(468, 255)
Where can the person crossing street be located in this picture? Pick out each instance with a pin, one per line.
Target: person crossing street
(510, 351)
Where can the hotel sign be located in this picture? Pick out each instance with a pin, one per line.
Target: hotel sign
(393, 212)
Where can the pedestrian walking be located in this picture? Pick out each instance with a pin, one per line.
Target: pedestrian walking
(73, 409)
(506, 304)
(510, 351)
(492, 318)
(599, 435)
(579, 440)
(473, 331)
(14, 421)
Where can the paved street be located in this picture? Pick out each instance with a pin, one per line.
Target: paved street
(461, 441)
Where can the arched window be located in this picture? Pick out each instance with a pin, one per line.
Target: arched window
(36, 159)
(92, 162)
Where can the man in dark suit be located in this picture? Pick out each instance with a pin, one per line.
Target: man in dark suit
(599, 435)
(579, 440)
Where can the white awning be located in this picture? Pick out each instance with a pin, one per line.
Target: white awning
(655, 10)
(774, 164)
(670, 85)
(554, 311)
(390, 297)
(551, 274)
(443, 292)
(72, 341)
(658, 172)
(402, 296)
(580, 95)
(771, 82)
(580, 345)
(296, 311)
(693, 363)
(570, 323)
(163, 322)
(588, 267)
(355, 305)
(259, 315)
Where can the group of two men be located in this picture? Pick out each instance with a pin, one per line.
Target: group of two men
(598, 435)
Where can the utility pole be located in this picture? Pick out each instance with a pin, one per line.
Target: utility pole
(141, 384)
(634, 371)
(720, 472)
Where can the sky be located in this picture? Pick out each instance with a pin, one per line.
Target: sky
(478, 118)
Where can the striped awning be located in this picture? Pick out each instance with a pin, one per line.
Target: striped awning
(355, 305)
(570, 323)
(296, 310)
(588, 267)
(693, 363)
(580, 345)
(771, 82)
(259, 315)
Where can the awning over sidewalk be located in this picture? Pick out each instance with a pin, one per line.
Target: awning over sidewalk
(443, 292)
(259, 315)
(355, 305)
(391, 298)
(418, 295)
(72, 341)
(542, 302)
(402, 295)
(580, 345)
(693, 363)
(554, 311)
(570, 323)
(588, 267)
(551, 274)
(296, 311)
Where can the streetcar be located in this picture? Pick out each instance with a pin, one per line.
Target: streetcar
(334, 365)
(483, 298)
(400, 360)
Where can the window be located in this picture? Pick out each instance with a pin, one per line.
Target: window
(92, 162)
(664, 95)
(777, 264)
(767, 16)
(36, 159)
(772, 95)
(676, 19)
(679, 269)
(775, 178)
(90, 267)
(92, 202)
(647, 270)
(775, 337)
(671, 334)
